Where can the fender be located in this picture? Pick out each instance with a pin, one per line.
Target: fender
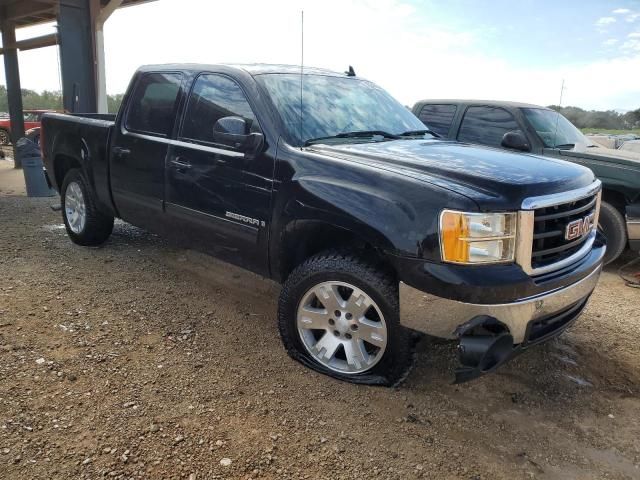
(393, 213)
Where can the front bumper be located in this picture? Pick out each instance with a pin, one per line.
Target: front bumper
(633, 226)
(442, 317)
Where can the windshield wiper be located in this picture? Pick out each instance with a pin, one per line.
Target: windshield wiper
(565, 146)
(358, 134)
(415, 133)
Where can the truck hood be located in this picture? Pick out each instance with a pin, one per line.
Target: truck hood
(622, 157)
(493, 178)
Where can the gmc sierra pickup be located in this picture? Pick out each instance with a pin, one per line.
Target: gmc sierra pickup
(325, 183)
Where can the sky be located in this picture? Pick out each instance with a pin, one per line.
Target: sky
(517, 50)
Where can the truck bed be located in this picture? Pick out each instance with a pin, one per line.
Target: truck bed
(89, 134)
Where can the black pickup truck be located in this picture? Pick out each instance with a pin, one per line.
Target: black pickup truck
(326, 184)
(534, 129)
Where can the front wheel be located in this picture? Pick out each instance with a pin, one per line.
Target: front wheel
(85, 224)
(339, 315)
(611, 223)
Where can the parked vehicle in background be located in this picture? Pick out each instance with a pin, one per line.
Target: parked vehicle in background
(32, 119)
(347, 203)
(632, 146)
(533, 129)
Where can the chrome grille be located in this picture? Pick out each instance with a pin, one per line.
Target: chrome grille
(549, 229)
(541, 245)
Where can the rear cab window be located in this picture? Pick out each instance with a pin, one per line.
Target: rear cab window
(486, 125)
(152, 109)
(438, 117)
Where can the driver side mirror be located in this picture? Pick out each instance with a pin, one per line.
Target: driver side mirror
(234, 132)
(515, 140)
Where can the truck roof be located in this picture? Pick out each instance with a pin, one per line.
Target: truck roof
(497, 103)
(251, 68)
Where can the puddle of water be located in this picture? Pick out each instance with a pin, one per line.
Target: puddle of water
(565, 359)
(580, 381)
(53, 228)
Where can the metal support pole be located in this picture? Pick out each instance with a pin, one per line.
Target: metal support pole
(101, 14)
(77, 56)
(14, 91)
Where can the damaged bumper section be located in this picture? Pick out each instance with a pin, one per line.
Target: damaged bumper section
(633, 226)
(489, 334)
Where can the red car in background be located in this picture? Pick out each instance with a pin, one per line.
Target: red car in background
(31, 120)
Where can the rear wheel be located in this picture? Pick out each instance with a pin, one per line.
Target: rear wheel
(611, 223)
(4, 137)
(85, 224)
(339, 315)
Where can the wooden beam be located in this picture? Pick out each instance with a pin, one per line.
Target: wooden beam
(35, 42)
(29, 8)
(107, 10)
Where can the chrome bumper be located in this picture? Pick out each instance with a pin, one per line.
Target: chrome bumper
(633, 228)
(441, 317)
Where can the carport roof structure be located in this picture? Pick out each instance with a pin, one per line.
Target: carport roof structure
(79, 25)
(24, 13)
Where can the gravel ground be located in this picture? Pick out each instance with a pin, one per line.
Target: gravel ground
(142, 360)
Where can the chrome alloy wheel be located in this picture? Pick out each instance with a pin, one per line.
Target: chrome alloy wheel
(74, 208)
(342, 327)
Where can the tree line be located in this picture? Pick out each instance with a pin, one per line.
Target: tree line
(49, 100)
(609, 119)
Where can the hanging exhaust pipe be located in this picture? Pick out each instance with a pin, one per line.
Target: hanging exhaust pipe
(482, 353)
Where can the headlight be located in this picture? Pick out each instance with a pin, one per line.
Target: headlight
(477, 237)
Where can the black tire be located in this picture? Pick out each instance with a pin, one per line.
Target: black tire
(611, 223)
(5, 138)
(380, 286)
(98, 225)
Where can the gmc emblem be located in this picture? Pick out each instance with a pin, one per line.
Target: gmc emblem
(578, 228)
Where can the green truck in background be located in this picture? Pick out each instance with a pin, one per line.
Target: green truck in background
(542, 131)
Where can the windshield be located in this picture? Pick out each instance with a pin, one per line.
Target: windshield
(554, 129)
(335, 105)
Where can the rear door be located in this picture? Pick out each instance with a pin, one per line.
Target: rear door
(218, 193)
(485, 125)
(438, 117)
(139, 148)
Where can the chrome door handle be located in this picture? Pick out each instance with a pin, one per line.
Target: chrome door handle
(181, 165)
(121, 152)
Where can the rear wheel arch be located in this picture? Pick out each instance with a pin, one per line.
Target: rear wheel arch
(62, 164)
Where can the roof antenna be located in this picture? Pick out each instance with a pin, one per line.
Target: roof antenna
(351, 72)
(555, 134)
(301, 71)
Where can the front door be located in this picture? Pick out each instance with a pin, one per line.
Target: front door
(218, 193)
(139, 149)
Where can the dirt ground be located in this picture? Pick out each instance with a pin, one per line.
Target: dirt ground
(142, 360)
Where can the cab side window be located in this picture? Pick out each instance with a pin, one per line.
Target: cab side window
(212, 98)
(438, 117)
(486, 125)
(152, 108)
